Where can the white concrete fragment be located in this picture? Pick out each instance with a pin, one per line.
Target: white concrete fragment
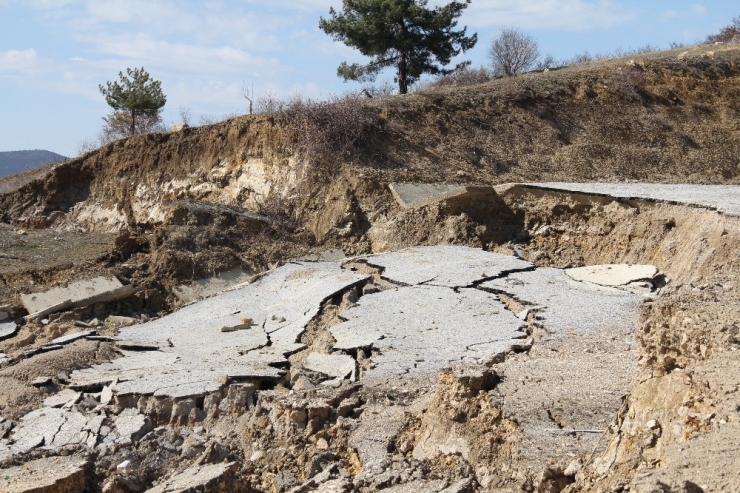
(131, 426)
(7, 329)
(414, 195)
(198, 478)
(612, 274)
(66, 339)
(451, 266)
(334, 365)
(77, 294)
(62, 398)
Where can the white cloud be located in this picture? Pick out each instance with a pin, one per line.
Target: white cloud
(570, 15)
(23, 61)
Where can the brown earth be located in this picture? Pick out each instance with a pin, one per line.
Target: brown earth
(159, 210)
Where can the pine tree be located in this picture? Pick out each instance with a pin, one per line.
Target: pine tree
(136, 100)
(404, 34)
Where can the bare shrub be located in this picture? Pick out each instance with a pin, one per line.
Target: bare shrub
(382, 90)
(513, 52)
(727, 33)
(466, 76)
(326, 131)
(628, 81)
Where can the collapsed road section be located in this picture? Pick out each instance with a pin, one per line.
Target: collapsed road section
(379, 372)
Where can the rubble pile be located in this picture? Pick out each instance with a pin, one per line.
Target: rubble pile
(231, 393)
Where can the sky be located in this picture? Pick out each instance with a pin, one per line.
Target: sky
(55, 53)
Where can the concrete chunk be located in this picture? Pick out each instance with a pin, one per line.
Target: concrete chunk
(62, 398)
(212, 477)
(334, 365)
(7, 329)
(131, 426)
(75, 295)
(612, 274)
(414, 195)
(50, 475)
(60, 341)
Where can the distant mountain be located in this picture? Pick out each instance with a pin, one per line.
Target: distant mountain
(14, 162)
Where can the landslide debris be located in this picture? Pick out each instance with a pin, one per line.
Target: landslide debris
(482, 366)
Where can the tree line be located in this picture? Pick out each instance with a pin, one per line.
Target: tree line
(405, 35)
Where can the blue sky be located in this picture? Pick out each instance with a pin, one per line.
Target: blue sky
(54, 53)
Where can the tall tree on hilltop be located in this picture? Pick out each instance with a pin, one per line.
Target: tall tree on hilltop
(136, 99)
(404, 34)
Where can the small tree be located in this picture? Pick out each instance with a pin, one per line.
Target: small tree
(136, 101)
(512, 52)
(404, 34)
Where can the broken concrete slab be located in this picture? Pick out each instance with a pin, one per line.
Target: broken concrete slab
(444, 265)
(612, 274)
(564, 305)
(63, 398)
(420, 329)
(194, 357)
(723, 198)
(66, 339)
(211, 477)
(131, 426)
(7, 329)
(334, 365)
(49, 475)
(75, 295)
(48, 427)
(414, 195)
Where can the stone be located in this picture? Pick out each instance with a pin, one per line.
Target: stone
(131, 426)
(415, 195)
(125, 467)
(75, 295)
(212, 477)
(612, 274)
(334, 365)
(49, 475)
(450, 266)
(41, 381)
(179, 127)
(7, 329)
(192, 357)
(63, 398)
